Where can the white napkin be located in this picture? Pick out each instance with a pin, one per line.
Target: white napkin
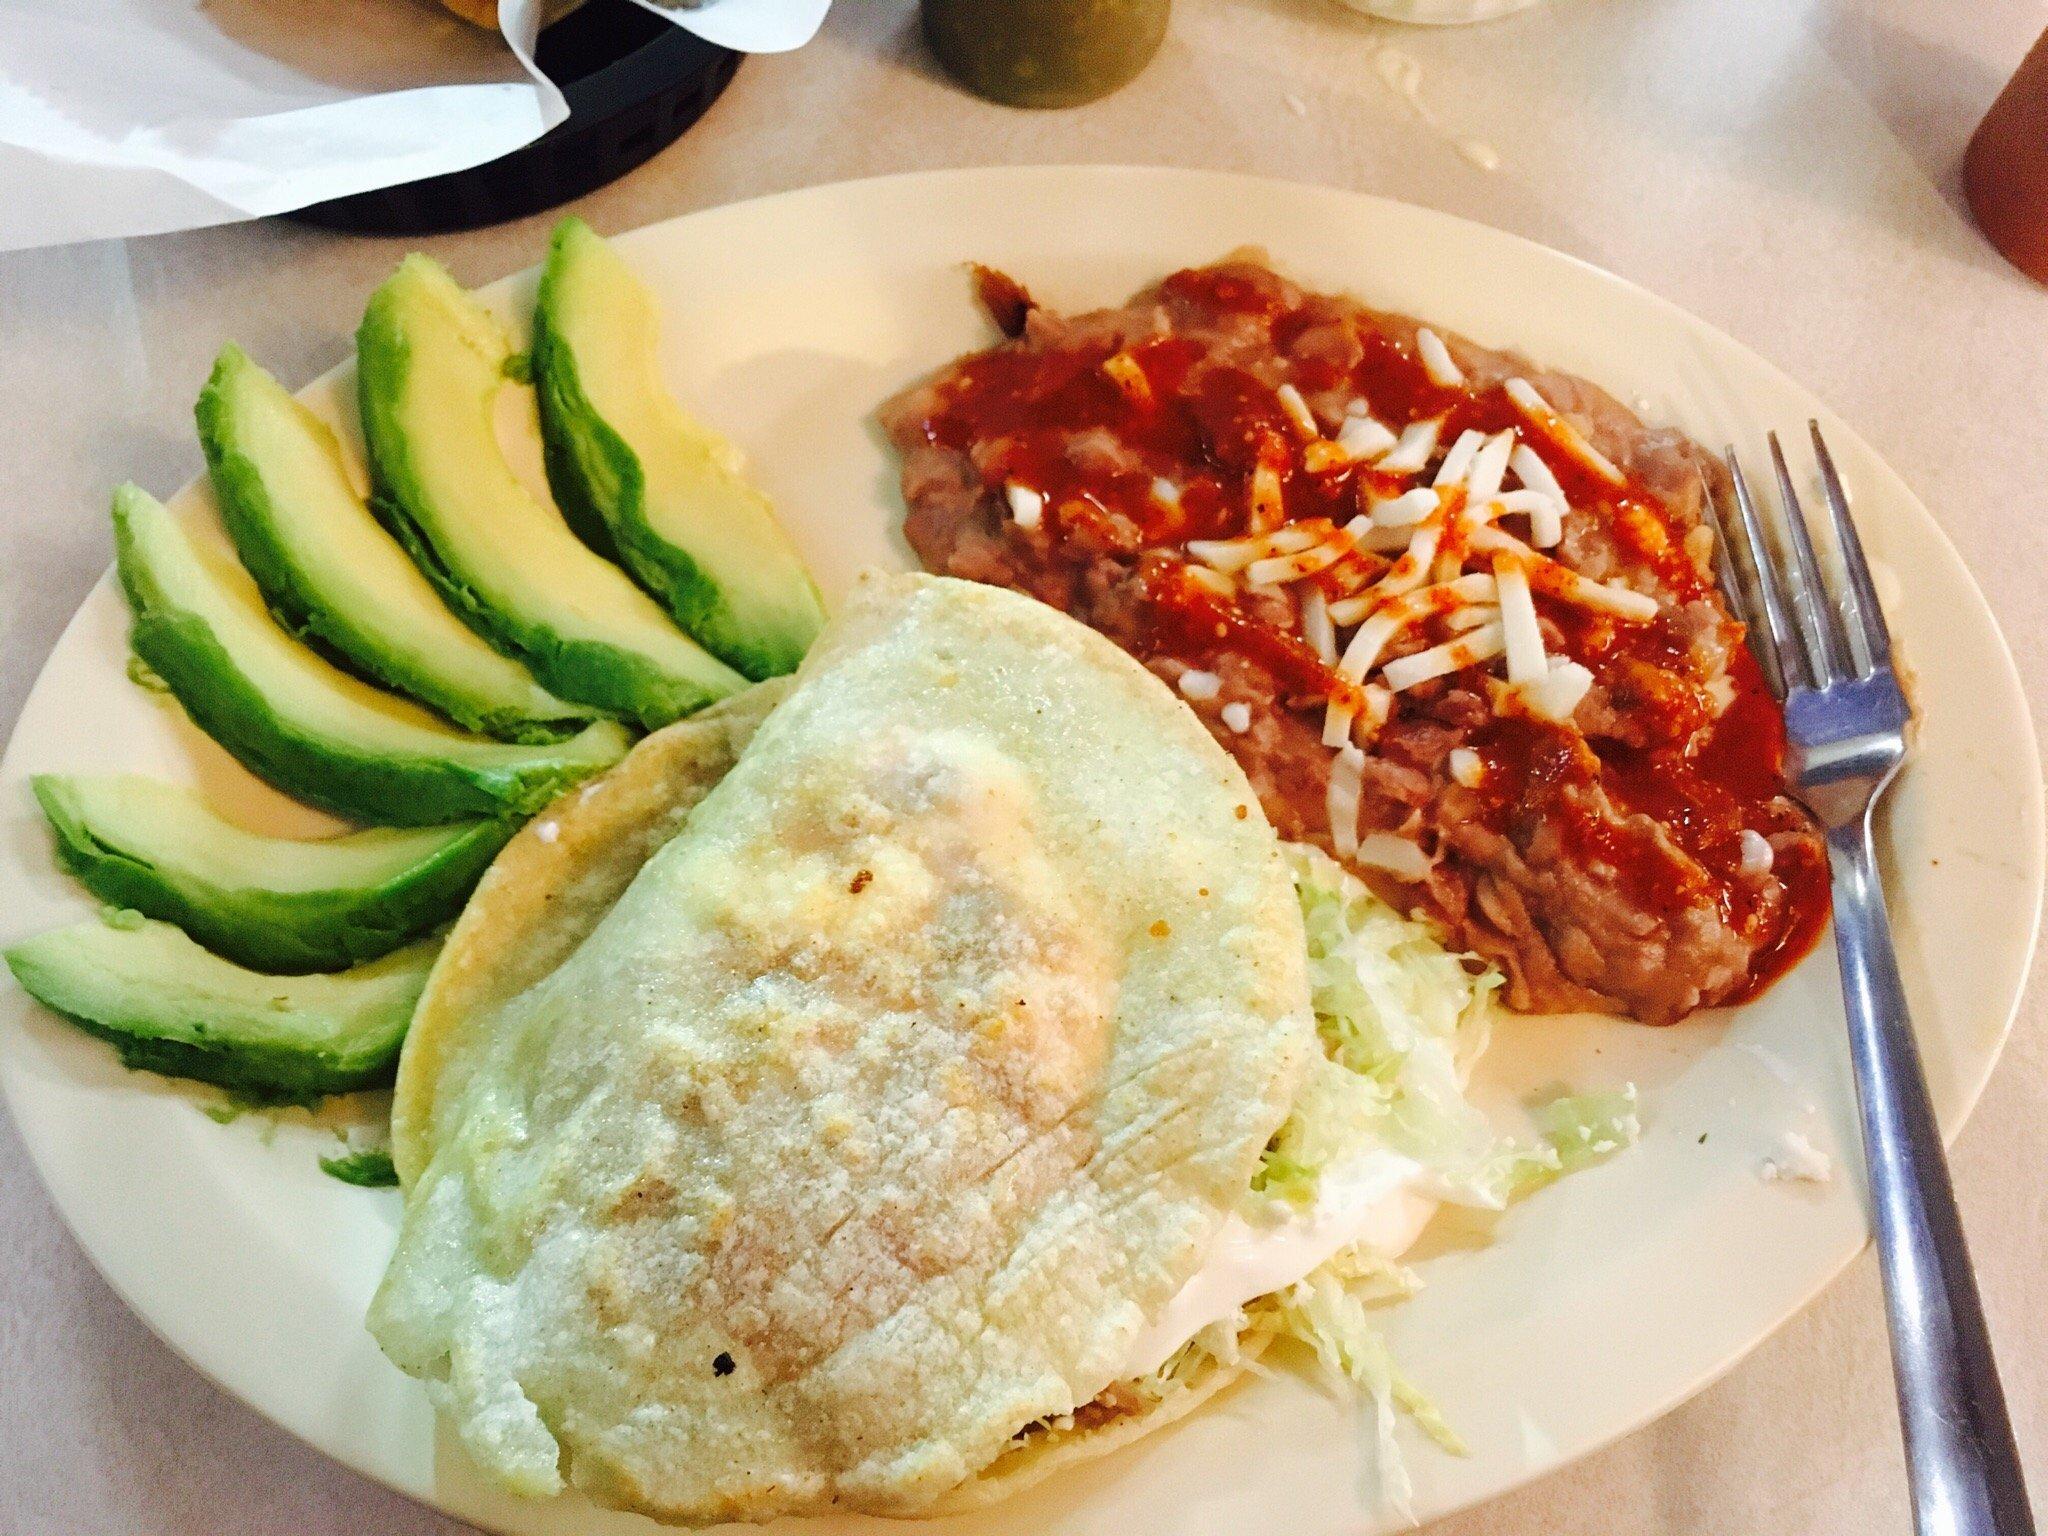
(132, 117)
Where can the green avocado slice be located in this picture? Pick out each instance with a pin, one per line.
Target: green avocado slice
(330, 571)
(168, 1006)
(639, 476)
(270, 903)
(431, 362)
(318, 733)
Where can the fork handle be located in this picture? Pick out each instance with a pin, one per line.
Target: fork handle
(1963, 1464)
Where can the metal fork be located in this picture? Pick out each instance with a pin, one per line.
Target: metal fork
(1824, 646)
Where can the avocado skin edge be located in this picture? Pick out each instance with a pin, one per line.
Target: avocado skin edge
(247, 512)
(266, 1075)
(270, 931)
(588, 672)
(410, 792)
(601, 488)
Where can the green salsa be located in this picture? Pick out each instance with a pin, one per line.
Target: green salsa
(1044, 53)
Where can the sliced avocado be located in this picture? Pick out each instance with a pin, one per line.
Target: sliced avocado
(430, 364)
(170, 1007)
(623, 457)
(270, 903)
(328, 569)
(297, 720)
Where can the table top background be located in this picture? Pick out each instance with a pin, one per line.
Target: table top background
(1783, 168)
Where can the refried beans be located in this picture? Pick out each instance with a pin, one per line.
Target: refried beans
(1455, 615)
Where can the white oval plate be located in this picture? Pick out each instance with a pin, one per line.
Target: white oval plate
(1594, 1306)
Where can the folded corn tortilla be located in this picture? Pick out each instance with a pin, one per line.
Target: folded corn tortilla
(812, 1112)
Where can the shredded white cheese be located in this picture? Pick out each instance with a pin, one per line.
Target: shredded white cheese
(1443, 521)
(1560, 431)
(1398, 856)
(1526, 659)
(1699, 546)
(1337, 718)
(1412, 569)
(1757, 856)
(1546, 512)
(1027, 507)
(1489, 467)
(1371, 637)
(1345, 721)
(1546, 517)
(1125, 373)
(1557, 693)
(1361, 437)
(1482, 644)
(1323, 455)
(1235, 554)
(1436, 359)
(1562, 581)
(1406, 509)
(1530, 469)
(1269, 502)
(1458, 461)
(1346, 797)
(1412, 448)
(1796, 1160)
(1275, 570)
(1316, 627)
(1297, 410)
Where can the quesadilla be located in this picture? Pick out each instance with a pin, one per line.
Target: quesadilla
(903, 1079)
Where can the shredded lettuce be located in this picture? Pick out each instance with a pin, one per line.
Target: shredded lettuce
(1579, 1130)
(1401, 1020)
(1328, 1310)
(1220, 1344)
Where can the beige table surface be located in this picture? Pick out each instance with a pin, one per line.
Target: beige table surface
(1783, 168)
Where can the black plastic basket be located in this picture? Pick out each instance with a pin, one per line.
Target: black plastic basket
(633, 83)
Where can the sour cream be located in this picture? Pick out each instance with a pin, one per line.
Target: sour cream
(1374, 1197)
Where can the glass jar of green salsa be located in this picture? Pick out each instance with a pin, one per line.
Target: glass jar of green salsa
(1044, 53)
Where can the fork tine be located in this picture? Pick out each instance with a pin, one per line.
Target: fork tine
(1737, 587)
(1811, 601)
(1870, 626)
(1791, 660)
